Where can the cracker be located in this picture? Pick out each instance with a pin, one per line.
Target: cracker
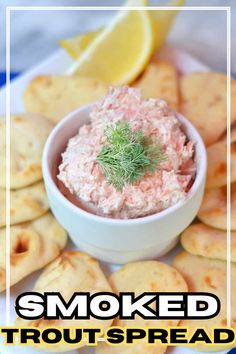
(71, 272)
(25, 204)
(217, 164)
(232, 134)
(208, 275)
(56, 96)
(213, 210)
(139, 277)
(160, 80)
(204, 103)
(203, 240)
(28, 134)
(140, 348)
(33, 245)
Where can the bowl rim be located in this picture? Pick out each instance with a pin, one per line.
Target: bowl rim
(50, 183)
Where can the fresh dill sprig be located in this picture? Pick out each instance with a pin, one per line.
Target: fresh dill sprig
(128, 155)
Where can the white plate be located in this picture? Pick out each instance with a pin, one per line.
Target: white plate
(58, 64)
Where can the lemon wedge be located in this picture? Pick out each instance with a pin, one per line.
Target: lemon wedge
(122, 50)
(75, 46)
(162, 21)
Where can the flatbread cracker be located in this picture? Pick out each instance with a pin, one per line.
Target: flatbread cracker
(213, 210)
(56, 96)
(232, 134)
(139, 277)
(217, 164)
(33, 245)
(72, 272)
(25, 204)
(140, 348)
(204, 103)
(160, 80)
(202, 240)
(208, 275)
(28, 134)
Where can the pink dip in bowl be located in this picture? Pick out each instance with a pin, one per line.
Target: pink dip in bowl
(83, 177)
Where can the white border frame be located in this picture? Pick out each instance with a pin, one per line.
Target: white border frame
(9, 9)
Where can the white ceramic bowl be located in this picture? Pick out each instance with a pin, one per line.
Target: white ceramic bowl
(119, 241)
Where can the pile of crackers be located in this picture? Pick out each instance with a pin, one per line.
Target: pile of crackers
(35, 236)
(38, 241)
